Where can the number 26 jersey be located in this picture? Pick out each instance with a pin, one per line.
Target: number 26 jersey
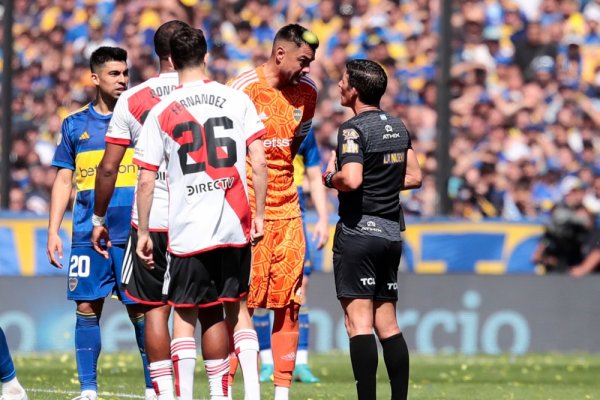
(202, 130)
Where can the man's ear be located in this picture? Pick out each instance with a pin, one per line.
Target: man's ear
(172, 63)
(206, 58)
(95, 79)
(280, 53)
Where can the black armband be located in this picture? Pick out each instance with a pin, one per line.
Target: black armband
(328, 179)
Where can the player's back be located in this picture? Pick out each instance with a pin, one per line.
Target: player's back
(81, 148)
(286, 114)
(130, 113)
(204, 128)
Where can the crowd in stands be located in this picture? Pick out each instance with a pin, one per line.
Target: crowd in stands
(525, 85)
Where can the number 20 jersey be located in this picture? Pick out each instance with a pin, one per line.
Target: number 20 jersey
(202, 129)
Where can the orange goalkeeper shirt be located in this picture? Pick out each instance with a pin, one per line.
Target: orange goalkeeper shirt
(286, 114)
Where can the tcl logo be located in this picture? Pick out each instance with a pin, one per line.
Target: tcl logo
(277, 142)
(368, 281)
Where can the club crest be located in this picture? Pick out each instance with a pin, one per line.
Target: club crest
(72, 284)
(297, 113)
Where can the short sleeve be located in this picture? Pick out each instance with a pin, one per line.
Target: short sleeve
(350, 145)
(149, 151)
(253, 126)
(64, 157)
(119, 131)
(310, 150)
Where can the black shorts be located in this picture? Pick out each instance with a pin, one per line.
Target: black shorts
(141, 284)
(365, 267)
(209, 278)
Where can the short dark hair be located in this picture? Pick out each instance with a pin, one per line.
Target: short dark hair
(163, 36)
(188, 47)
(368, 78)
(105, 54)
(298, 35)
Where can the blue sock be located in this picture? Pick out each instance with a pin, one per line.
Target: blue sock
(138, 326)
(7, 368)
(262, 326)
(304, 329)
(87, 349)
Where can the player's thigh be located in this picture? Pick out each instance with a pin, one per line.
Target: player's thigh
(116, 256)
(288, 262)
(386, 324)
(387, 265)
(140, 283)
(230, 272)
(89, 275)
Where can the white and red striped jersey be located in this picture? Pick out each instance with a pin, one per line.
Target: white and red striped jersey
(129, 115)
(202, 130)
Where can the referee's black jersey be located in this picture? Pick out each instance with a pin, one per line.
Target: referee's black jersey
(379, 142)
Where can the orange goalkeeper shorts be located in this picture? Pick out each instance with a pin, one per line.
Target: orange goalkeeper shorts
(277, 264)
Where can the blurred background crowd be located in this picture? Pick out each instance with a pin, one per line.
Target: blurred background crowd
(525, 85)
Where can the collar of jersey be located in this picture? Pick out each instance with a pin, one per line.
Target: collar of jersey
(194, 83)
(96, 114)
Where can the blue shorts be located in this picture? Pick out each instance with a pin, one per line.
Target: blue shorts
(92, 277)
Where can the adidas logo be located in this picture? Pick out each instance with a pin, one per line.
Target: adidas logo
(84, 136)
(289, 356)
(263, 116)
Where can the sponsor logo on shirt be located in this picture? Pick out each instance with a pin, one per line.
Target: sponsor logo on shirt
(217, 184)
(393, 158)
(350, 147)
(371, 227)
(350, 134)
(277, 142)
(84, 136)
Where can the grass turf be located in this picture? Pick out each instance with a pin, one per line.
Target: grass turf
(531, 377)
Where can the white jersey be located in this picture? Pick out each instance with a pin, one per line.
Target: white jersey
(202, 130)
(125, 127)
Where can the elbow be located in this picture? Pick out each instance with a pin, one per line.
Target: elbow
(107, 170)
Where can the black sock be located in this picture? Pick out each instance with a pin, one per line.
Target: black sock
(364, 358)
(395, 355)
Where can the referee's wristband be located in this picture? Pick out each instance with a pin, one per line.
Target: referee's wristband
(328, 179)
(98, 221)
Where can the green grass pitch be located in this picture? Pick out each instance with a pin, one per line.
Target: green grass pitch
(531, 377)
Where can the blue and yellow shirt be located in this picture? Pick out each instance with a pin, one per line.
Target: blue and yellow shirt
(308, 156)
(80, 149)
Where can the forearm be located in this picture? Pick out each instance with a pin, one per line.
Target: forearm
(592, 261)
(59, 200)
(104, 188)
(145, 194)
(259, 183)
(317, 192)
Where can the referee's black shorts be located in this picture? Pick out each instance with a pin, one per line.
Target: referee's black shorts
(365, 267)
(141, 284)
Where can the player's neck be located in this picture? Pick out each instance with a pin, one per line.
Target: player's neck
(191, 75)
(104, 104)
(272, 75)
(361, 108)
(165, 66)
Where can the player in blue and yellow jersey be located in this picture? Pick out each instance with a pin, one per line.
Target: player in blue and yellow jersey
(306, 163)
(91, 277)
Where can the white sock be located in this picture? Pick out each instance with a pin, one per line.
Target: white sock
(218, 378)
(161, 373)
(90, 393)
(302, 357)
(266, 357)
(12, 387)
(281, 393)
(183, 354)
(245, 342)
(230, 392)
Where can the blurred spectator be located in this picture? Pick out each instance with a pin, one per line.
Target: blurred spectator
(525, 83)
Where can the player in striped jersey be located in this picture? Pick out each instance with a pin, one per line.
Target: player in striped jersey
(140, 283)
(285, 98)
(91, 277)
(203, 131)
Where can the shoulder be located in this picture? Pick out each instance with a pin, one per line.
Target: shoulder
(245, 80)
(308, 84)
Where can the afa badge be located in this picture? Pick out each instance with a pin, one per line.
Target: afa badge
(72, 284)
(350, 134)
(297, 113)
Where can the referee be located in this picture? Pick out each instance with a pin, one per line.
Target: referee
(375, 162)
